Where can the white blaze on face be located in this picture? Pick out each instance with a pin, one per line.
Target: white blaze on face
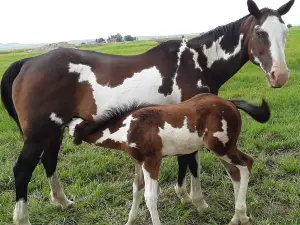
(216, 52)
(277, 33)
(179, 140)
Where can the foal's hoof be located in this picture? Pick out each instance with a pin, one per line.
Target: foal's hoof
(22, 223)
(68, 204)
(231, 223)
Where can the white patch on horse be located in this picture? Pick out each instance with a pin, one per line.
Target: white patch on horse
(72, 125)
(56, 119)
(226, 159)
(222, 135)
(240, 204)
(181, 192)
(182, 48)
(216, 52)
(21, 215)
(277, 33)
(151, 187)
(256, 60)
(195, 58)
(199, 83)
(120, 135)
(179, 140)
(176, 88)
(132, 145)
(58, 197)
(137, 198)
(146, 83)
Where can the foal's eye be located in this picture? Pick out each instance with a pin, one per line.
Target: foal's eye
(259, 33)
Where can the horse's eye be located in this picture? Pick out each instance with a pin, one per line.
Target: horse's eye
(259, 33)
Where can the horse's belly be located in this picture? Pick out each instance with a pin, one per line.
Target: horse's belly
(179, 141)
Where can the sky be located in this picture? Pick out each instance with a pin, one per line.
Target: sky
(47, 21)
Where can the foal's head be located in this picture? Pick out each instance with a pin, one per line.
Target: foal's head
(266, 43)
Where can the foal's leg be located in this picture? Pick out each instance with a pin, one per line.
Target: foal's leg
(196, 192)
(234, 174)
(49, 160)
(23, 169)
(138, 189)
(244, 164)
(150, 170)
(180, 188)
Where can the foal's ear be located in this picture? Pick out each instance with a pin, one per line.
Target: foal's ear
(253, 9)
(286, 7)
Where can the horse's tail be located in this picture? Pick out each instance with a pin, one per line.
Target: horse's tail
(6, 89)
(259, 113)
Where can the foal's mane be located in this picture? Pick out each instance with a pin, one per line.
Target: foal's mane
(86, 128)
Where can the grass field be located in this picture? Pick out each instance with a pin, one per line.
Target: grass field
(100, 180)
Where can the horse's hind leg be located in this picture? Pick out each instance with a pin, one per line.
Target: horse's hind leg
(49, 160)
(138, 190)
(243, 164)
(196, 191)
(180, 188)
(23, 169)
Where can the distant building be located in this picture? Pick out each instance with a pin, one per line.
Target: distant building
(112, 40)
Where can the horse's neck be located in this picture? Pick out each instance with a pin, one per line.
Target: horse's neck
(224, 52)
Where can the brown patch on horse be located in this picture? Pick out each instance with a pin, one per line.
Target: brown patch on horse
(85, 102)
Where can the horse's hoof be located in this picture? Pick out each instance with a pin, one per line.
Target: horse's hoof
(201, 206)
(185, 198)
(231, 223)
(247, 223)
(63, 204)
(67, 205)
(21, 222)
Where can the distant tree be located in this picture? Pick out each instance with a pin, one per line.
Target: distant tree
(118, 37)
(100, 40)
(82, 43)
(182, 36)
(129, 38)
(289, 25)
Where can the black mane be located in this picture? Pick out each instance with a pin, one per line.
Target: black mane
(86, 128)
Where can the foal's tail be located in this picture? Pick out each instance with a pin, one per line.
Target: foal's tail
(6, 89)
(259, 113)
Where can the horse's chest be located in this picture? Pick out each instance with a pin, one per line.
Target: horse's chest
(179, 140)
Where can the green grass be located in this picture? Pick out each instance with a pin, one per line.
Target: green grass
(100, 180)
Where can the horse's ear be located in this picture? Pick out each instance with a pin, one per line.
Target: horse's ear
(286, 7)
(253, 9)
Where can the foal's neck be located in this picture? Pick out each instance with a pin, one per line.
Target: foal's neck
(224, 51)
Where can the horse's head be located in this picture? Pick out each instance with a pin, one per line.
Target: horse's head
(267, 42)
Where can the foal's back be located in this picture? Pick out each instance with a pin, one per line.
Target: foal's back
(173, 129)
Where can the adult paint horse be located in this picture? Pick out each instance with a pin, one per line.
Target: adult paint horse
(45, 92)
(151, 133)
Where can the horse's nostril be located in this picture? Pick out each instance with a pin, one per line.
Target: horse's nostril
(272, 75)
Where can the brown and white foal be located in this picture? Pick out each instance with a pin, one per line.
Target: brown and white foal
(148, 134)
